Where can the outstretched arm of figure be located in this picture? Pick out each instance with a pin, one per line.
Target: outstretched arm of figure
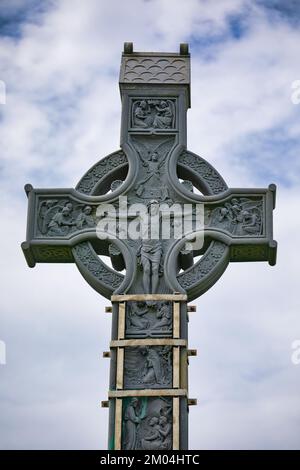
(143, 153)
(144, 160)
(163, 149)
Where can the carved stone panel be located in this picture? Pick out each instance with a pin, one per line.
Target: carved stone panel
(153, 113)
(238, 216)
(60, 217)
(149, 319)
(249, 253)
(153, 153)
(148, 367)
(59, 254)
(155, 69)
(147, 423)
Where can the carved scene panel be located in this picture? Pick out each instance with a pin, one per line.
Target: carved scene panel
(149, 319)
(148, 367)
(147, 423)
(153, 113)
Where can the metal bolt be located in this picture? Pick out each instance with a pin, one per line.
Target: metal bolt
(191, 308)
(192, 401)
(192, 352)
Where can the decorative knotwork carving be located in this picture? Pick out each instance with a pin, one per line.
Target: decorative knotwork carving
(203, 267)
(87, 256)
(91, 179)
(248, 253)
(53, 254)
(206, 171)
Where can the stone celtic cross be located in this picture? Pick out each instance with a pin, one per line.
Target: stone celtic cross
(151, 278)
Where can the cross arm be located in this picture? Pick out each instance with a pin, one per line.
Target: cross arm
(238, 227)
(58, 219)
(243, 219)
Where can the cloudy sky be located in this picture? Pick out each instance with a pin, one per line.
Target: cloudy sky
(59, 61)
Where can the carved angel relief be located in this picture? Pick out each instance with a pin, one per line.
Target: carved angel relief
(153, 159)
